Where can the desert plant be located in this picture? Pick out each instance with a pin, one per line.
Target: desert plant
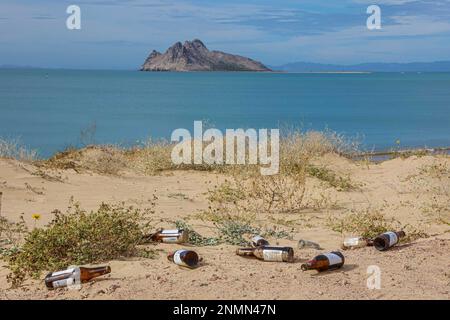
(87, 135)
(238, 232)
(195, 238)
(328, 176)
(11, 234)
(150, 157)
(14, 149)
(370, 224)
(232, 232)
(78, 237)
(108, 160)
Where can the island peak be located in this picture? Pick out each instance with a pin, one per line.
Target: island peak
(195, 56)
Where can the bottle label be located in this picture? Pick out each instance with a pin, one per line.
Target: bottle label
(73, 279)
(63, 283)
(58, 273)
(177, 257)
(170, 239)
(255, 239)
(333, 258)
(272, 255)
(175, 231)
(393, 239)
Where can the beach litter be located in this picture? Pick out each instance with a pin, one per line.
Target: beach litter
(74, 276)
(303, 244)
(258, 241)
(356, 242)
(168, 236)
(184, 258)
(387, 240)
(268, 253)
(326, 261)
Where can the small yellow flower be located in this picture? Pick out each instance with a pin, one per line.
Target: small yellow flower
(36, 216)
(397, 141)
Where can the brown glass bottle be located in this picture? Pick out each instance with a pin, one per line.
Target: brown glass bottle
(184, 258)
(388, 239)
(168, 236)
(258, 241)
(326, 261)
(74, 275)
(268, 253)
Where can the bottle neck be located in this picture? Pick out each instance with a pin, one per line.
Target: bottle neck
(400, 234)
(151, 236)
(170, 256)
(245, 251)
(308, 265)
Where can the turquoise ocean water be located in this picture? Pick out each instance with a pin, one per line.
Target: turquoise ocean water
(47, 109)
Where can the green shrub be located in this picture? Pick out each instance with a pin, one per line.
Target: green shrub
(195, 238)
(371, 224)
(326, 175)
(77, 238)
(235, 232)
(10, 235)
(232, 232)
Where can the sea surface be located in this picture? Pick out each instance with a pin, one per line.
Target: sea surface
(49, 109)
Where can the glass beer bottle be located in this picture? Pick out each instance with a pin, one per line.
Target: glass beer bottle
(355, 242)
(326, 261)
(184, 258)
(267, 253)
(388, 239)
(74, 275)
(169, 236)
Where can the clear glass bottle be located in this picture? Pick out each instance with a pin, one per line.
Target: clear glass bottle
(355, 242)
(306, 244)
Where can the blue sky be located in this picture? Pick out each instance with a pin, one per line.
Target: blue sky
(119, 34)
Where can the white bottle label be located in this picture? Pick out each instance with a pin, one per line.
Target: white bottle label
(333, 258)
(73, 278)
(177, 258)
(272, 255)
(255, 239)
(175, 231)
(62, 283)
(68, 271)
(393, 239)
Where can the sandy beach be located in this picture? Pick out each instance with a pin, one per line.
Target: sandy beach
(413, 190)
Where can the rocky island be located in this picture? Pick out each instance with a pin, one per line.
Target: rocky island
(194, 56)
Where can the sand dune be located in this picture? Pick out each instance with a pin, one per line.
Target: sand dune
(407, 189)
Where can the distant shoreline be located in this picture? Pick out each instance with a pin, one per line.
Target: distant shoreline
(375, 156)
(227, 72)
(382, 155)
(254, 72)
